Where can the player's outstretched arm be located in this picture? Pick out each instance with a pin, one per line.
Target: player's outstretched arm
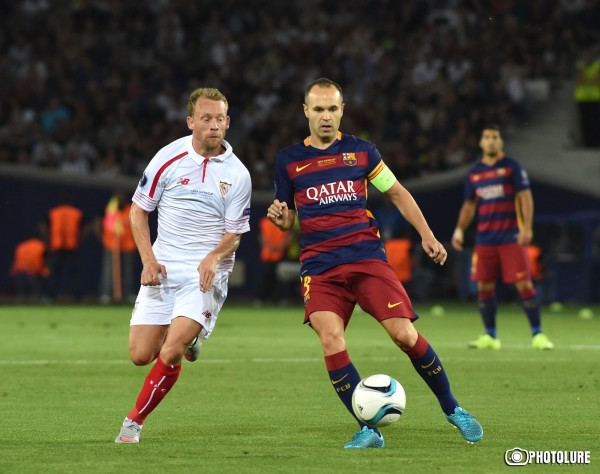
(279, 214)
(436, 251)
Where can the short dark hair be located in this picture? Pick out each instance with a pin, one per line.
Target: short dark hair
(323, 82)
(491, 126)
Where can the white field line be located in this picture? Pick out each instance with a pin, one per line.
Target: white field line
(550, 356)
(268, 361)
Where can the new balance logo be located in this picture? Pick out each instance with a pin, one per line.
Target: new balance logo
(207, 314)
(183, 181)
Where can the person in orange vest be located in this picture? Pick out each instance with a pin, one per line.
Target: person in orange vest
(534, 252)
(274, 243)
(29, 269)
(543, 278)
(65, 222)
(398, 252)
(119, 252)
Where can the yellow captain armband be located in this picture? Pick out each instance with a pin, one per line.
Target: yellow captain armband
(382, 177)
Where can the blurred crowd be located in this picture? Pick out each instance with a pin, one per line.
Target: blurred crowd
(98, 86)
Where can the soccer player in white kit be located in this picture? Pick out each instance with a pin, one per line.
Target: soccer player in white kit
(202, 193)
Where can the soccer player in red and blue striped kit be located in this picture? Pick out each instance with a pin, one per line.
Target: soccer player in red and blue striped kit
(324, 181)
(497, 189)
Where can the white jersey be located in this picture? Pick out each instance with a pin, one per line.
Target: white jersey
(198, 200)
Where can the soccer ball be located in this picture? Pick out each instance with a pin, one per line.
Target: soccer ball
(378, 400)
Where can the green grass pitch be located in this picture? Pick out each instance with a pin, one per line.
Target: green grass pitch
(259, 399)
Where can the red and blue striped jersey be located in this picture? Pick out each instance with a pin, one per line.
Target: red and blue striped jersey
(328, 190)
(494, 188)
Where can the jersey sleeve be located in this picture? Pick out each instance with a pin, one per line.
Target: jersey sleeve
(283, 186)
(520, 177)
(374, 158)
(469, 189)
(151, 186)
(237, 212)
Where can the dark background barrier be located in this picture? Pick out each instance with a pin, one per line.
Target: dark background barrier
(567, 229)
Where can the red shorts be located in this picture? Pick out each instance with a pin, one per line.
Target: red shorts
(370, 283)
(510, 259)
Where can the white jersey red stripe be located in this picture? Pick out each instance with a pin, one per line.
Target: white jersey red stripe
(160, 171)
(198, 201)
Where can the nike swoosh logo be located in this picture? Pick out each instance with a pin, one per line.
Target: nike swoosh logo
(390, 305)
(338, 380)
(300, 168)
(428, 365)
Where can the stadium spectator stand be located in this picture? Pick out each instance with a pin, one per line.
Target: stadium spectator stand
(97, 87)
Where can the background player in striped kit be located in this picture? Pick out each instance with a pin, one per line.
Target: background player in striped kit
(202, 193)
(324, 181)
(497, 188)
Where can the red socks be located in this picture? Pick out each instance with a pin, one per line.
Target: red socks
(418, 350)
(159, 381)
(337, 361)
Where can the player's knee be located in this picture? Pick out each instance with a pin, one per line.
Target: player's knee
(172, 352)
(405, 336)
(332, 343)
(141, 359)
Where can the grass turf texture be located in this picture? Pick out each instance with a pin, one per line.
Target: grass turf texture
(259, 399)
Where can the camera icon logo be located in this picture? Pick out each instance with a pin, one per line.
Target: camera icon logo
(516, 457)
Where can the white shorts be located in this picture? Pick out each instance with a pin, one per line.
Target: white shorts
(159, 305)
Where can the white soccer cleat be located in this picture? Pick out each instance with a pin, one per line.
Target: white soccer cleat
(130, 432)
(193, 351)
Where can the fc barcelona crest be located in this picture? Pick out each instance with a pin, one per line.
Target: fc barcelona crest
(349, 159)
(224, 187)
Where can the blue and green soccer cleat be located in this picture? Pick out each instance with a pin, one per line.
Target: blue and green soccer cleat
(365, 438)
(469, 427)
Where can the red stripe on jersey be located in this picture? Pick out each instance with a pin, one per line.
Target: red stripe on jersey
(160, 171)
(491, 174)
(309, 251)
(502, 224)
(509, 189)
(322, 163)
(332, 221)
(495, 207)
(329, 191)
